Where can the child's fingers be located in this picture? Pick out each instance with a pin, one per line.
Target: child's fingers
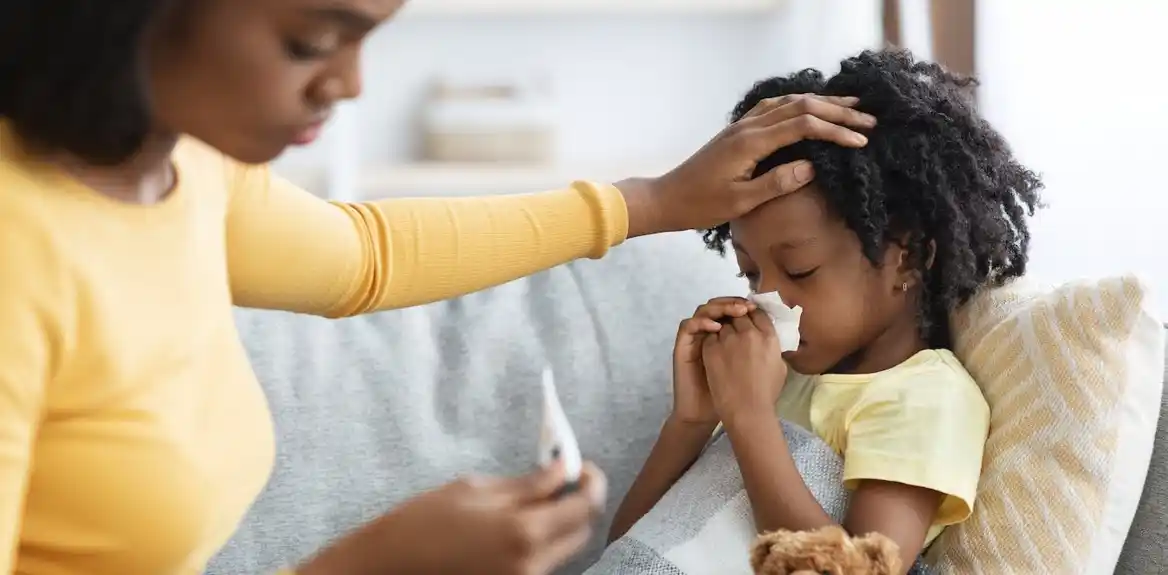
(763, 322)
(723, 307)
(696, 326)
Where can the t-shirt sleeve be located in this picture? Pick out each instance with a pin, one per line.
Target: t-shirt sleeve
(926, 427)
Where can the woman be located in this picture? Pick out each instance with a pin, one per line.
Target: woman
(134, 213)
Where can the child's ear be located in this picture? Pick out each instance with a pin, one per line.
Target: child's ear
(897, 268)
(908, 270)
(930, 254)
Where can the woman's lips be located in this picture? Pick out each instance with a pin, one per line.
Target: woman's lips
(308, 135)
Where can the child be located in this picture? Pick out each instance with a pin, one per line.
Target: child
(878, 250)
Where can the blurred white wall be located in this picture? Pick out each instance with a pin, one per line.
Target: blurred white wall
(1079, 88)
(632, 89)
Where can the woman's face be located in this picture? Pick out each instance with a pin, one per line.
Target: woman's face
(796, 246)
(251, 77)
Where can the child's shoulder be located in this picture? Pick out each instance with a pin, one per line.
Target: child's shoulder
(931, 374)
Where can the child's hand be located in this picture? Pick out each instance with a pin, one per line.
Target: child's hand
(691, 395)
(744, 366)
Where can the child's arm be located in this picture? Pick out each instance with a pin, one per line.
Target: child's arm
(677, 447)
(693, 420)
(778, 496)
(780, 499)
(901, 512)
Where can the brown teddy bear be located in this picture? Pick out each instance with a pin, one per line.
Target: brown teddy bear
(829, 550)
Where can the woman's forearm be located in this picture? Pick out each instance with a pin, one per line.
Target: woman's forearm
(441, 248)
(290, 250)
(677, 447)
(778, 496)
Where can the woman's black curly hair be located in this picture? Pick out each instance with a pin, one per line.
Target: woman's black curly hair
(934, 176)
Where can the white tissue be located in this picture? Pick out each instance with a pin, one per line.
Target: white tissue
(556, 440)
(786, 319)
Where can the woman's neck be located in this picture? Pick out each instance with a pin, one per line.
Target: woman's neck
(145, 179)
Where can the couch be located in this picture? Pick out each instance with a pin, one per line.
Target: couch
(371, 410)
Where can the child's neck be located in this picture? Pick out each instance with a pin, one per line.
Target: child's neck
(892, 347)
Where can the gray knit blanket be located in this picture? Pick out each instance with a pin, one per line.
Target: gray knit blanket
(704, 524)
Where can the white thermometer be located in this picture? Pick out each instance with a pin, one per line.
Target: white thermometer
(556, 440)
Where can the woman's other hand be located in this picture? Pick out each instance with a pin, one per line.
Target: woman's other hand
(714, 185)
(493, 526)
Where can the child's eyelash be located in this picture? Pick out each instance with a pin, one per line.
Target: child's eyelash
(802, 275)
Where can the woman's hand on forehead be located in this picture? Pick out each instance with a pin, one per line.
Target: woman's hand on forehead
(715, 185)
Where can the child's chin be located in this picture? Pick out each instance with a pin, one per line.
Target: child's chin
(798, 362)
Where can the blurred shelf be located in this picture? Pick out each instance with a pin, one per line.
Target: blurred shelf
(436, 179)
(455, 8)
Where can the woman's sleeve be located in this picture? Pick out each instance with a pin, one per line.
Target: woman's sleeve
(29, 302)
(290, 250)
(927, 429)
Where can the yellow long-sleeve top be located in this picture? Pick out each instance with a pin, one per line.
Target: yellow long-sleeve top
(133, 433)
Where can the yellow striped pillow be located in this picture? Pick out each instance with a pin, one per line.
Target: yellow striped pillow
(1073, 377)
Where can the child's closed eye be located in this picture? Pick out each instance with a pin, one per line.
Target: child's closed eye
(803, 274)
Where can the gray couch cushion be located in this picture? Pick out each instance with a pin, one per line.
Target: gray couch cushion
(1146, 548)
(371, 410)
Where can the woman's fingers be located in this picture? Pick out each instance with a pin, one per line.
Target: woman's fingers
(782, 180)
(594, 484)
(806, 118)
(781, 122)
(555, 518)
(536, 486)
(769, 104)
(561, 550)
(832, 109)
(807, 127)
(563, 526)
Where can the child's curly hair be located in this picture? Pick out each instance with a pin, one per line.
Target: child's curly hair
(935, 177)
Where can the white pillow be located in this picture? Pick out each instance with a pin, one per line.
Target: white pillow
(1073, 377)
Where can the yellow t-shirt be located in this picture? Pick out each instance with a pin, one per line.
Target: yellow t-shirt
(923, 423)
(133, 434)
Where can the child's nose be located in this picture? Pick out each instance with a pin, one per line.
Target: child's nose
(774, 283)
(767, 283)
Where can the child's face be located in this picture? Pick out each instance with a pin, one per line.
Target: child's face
(795, 245)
